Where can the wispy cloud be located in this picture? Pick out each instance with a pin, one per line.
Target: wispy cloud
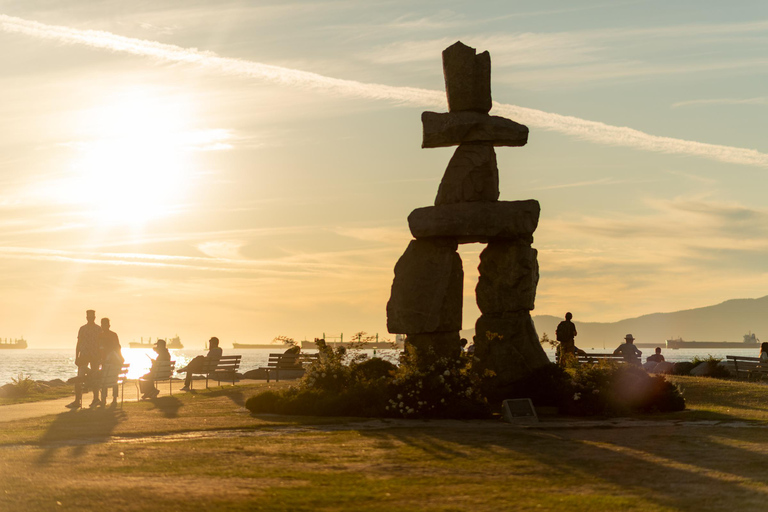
(762, 100)
(591, 131)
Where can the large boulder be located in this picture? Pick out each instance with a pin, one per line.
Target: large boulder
(433, 345)
(509, 273)
(509, 346)
(467, 78)
(427, 290)
(454, 128)
(472, 175)
(477, 221)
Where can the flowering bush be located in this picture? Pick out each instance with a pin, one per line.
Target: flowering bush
(426, 385)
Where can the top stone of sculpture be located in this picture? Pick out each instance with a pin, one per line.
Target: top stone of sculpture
(467, 78)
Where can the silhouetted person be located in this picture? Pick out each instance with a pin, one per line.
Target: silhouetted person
(196, 365)
(147, 382)
(764, 352)
(110, 356)
(656, 358)
(565, 334)
(463, 345)
(86, 359)
(629, 351)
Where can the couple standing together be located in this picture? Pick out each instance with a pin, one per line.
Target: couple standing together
(97, 347)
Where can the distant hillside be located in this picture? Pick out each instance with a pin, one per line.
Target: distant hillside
(727, 321)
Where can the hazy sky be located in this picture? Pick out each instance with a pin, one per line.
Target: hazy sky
(245, 169)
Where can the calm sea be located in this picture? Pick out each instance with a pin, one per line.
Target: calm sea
(48, 364)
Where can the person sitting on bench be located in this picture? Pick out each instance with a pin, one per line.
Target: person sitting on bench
(197, 364)
(629, 351)
(147, 382)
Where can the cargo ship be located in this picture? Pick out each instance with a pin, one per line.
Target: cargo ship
(18, 343)
(399, 343)
(750, 341)
(247, 346)
(170, 343)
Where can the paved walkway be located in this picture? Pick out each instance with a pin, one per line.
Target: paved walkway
(47, 407)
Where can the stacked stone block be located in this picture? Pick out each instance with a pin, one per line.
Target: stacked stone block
(426, 299)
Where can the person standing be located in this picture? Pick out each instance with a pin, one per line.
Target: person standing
(629, 351)
(110, 356)
(86, 359)
(565, 334)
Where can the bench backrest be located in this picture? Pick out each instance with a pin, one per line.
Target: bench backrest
(223, 364)
(163, 370)
(112, 374)
(290, 361)
(746, 364)
(593, 358)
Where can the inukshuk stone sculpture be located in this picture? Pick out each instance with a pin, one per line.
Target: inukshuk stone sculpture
(426, 299)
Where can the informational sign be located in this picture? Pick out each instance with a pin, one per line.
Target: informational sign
(519, 410)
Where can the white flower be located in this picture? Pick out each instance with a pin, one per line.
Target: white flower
(387, 407)
(447, 373)
(577, 396)
(442, 400)
(401, 405)
(323, 375)
(399, 396)
(469, 390)
(335, 376)
(440, 379)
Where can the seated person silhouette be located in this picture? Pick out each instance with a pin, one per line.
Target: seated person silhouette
(147, 382)
(197, 364)
(656, 358)
(629, 351)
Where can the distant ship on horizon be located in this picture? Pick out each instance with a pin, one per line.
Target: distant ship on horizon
(750, 341)
(13, 344)
(170, 343)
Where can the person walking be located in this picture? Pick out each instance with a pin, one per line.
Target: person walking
(86, 359)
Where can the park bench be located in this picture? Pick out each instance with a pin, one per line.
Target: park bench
(110, 376)
(748, 366)
(288, 362)
(216, 369)
(600, 357)
(163, 370)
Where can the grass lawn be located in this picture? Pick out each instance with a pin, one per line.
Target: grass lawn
(204, 451)
(38, 396)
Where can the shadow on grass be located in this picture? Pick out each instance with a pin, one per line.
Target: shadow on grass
(237, 396)
(683, 468)
(168, 405)
(76, 430)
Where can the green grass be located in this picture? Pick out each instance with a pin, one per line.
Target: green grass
(204, 451)
(38, 396)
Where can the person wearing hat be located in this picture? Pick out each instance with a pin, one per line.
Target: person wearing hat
(147, 382)
(629, 351)
(197, 364)
(86, 359)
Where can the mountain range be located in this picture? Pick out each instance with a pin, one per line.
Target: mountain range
(727, 321)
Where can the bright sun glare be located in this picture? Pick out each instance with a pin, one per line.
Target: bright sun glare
(132, 169)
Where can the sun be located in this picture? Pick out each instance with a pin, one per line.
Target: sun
(132, 167)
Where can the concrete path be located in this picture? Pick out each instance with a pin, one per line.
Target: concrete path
(47, 407)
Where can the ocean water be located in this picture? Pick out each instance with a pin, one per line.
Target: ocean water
(48, 364)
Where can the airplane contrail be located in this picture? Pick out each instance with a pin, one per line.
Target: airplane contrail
(583, 129)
